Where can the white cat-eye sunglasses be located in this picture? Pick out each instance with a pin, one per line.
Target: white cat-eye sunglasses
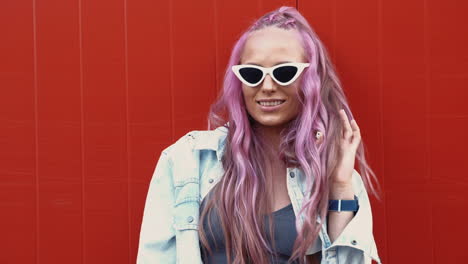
(283, 74)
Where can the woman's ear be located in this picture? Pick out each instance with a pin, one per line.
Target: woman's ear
(319, 137)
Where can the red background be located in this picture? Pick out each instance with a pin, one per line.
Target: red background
(92, 91)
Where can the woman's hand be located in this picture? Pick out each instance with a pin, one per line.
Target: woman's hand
(349, 141)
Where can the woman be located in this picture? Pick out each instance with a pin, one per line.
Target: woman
(275, 181)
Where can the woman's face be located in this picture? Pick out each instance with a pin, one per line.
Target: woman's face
(268, 47)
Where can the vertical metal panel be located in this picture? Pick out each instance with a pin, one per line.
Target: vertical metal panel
(17, 133)
(232, 18)
(193, 53)
(446, 39)
(270, 5)
(59, 131)
(405, 132)
(321, 16)
(358, 58)
(105, 132)
(408, 220)
(149, 100)
(404, 91)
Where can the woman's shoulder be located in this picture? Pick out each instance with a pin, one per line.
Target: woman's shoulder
(198, 139)
(184, 161)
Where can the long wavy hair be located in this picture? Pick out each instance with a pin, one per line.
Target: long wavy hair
(244, 192)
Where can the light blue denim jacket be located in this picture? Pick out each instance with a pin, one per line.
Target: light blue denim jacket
(185, 173)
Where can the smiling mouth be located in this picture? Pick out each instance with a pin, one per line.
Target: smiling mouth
(274, 103)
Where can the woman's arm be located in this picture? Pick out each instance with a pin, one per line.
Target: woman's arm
(341, 186)
(157, 236)
(351, 241)
(337, 221)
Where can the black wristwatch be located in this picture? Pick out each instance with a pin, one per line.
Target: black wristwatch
(343, 205)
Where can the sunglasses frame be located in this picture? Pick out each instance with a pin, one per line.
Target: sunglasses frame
(269, 70)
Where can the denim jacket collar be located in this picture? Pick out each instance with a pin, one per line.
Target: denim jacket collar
(216, 145)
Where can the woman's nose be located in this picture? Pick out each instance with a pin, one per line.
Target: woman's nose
(268, 84)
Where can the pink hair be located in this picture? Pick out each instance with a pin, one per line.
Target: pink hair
(242, 194)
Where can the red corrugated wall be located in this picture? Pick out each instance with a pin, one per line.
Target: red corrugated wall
(92, 91)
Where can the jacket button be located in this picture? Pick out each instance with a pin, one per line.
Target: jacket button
(210, 180)
(292, 174)
(354, 242)
(190, 219)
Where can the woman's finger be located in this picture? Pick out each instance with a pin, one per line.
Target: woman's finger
(347, 131)
(354, 126)
(356, 132)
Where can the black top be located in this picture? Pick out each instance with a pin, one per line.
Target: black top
(285, 233)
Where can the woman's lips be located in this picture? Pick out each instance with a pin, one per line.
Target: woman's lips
(268, 108)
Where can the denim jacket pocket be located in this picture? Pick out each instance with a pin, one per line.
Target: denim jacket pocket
(186, 216)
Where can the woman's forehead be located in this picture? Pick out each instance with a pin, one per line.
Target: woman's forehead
(272, 45)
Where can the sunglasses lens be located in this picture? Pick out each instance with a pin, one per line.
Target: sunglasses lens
(285, 74)
(251, 75)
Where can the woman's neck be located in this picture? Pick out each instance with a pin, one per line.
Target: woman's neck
(271, 135)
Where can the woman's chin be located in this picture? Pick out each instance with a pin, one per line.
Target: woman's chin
(271, 123)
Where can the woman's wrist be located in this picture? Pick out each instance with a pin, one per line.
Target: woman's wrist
(341, 191)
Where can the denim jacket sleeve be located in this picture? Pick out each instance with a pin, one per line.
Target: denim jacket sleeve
(356, 242)
(157, 235)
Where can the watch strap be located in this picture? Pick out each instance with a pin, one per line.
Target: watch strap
(344, 205)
